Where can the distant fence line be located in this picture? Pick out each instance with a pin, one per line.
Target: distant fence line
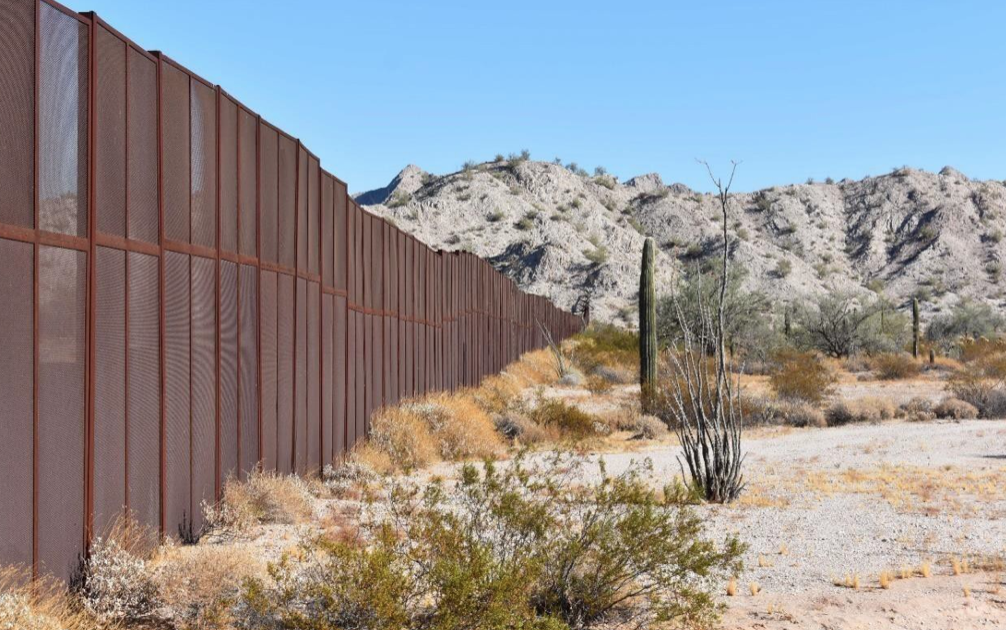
(189, 295)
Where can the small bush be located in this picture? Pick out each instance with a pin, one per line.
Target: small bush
(261, 498)
(495, 216)
(895, 366)
(569, 420)
(404, 437)
(614, 375)
(649, 428)
(597, 384)
(801, 376)
(917, 409)
(462, 429)
(517, 548)
(42, 604)
(116, 586)
(954, 409)
(859, 411)
(800, 414)
(598, 255)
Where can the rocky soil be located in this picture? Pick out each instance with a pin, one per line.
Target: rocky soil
(577, 238)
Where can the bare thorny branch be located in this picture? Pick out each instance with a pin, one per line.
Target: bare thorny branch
(707, 415)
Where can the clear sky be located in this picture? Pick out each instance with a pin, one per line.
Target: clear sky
(795, 88)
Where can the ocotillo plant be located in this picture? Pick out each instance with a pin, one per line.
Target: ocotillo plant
(647, 327)
(915, 327)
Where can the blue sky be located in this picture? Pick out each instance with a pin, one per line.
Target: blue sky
(795, 89)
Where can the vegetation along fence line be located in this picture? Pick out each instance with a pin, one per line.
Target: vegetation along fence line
(188, 294)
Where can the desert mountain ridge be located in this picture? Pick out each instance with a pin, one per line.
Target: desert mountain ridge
(576, 238)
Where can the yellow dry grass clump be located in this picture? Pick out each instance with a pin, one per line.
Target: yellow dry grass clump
(263, 497)
(42, 605)
(200, 583)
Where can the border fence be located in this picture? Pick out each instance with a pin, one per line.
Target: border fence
(188, 295)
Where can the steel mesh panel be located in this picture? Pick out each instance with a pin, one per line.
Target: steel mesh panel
(110, 132)
(144, 394)
(270, 368)
(356, 267)
(339, 375)
(366, 258)
(287, 202)
(300, 386)
(177, 384)
(285, 372)
(341, 236)
(204, 164)
(62, 141)
(248, 181)
(16, 408)
(313, 376)
(109, 387)
(351, 369)
(377, 362)
(141, 150)
(327, 231)
(360, 381)
(17, 119)
(370, 360)
(301, 224)
(327, 415)
(313, 214)
(204, 384)
(268, 165)
(403, 354)
(62, 282)
(391, 342)
(248, 403)
(175, 152)
(228, 175)
(376, 263)
(228, 375)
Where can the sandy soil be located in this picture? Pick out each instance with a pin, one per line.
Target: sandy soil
(826, 507)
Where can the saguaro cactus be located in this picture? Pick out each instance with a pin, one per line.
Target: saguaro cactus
(647, 327)
(915, 327)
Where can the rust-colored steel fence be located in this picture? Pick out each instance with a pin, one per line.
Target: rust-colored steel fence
(188, 294)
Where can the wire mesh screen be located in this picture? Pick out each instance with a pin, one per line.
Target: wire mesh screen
(16, 404)
(300, 375)
(229, 432)
(203, 167)
(110, 387)
(268, 185)
(313, 214)
(141, 149)
(110, 132)
(327, 231)
(143, 395)
(326, 411)
(301, 196)
(175, 153)
(287, 202)
(313, 372)
(340, 375)
(228, 168)
(62, 288)
(62, 142)
(269, 360)
(177, 385)
(248, 181)
(203, 387)
(285, 372)
(248, 390)
(17, 114)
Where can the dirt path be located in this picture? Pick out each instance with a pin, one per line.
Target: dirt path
(826, 507)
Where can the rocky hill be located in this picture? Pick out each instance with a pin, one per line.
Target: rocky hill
(575, 237)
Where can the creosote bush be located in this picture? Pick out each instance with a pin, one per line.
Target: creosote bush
(801, 376)
(522, 547)
(859, 411)
(891, 366)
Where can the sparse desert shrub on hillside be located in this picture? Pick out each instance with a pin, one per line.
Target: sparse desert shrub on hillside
(895, 366)
(263, 497)
(597, 256)
(917, 409)
(461, 428)
(967, 319)
(801, 376)
(954, 409)
(783, 268)
(495, 216)
(524, 224)
(858, 411)
(569, 420)
(517, 548)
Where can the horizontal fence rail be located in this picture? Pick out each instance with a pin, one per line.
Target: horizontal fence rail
(189, 296)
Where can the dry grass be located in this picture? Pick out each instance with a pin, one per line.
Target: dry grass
(801, 376)
(261, 498)
(42, 605)
(732, 587)
(462, 429)
(895, 366)
(201, 583)
(869, 409)
(403, 437)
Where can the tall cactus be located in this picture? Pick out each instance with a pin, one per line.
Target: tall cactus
(647, 327)
(915, 327)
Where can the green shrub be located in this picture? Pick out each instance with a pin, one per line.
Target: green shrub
(518, 548)
(800, 376)
(569, 420)
(892, 366)
(598, 256)
(495, 216)
(524, 224)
